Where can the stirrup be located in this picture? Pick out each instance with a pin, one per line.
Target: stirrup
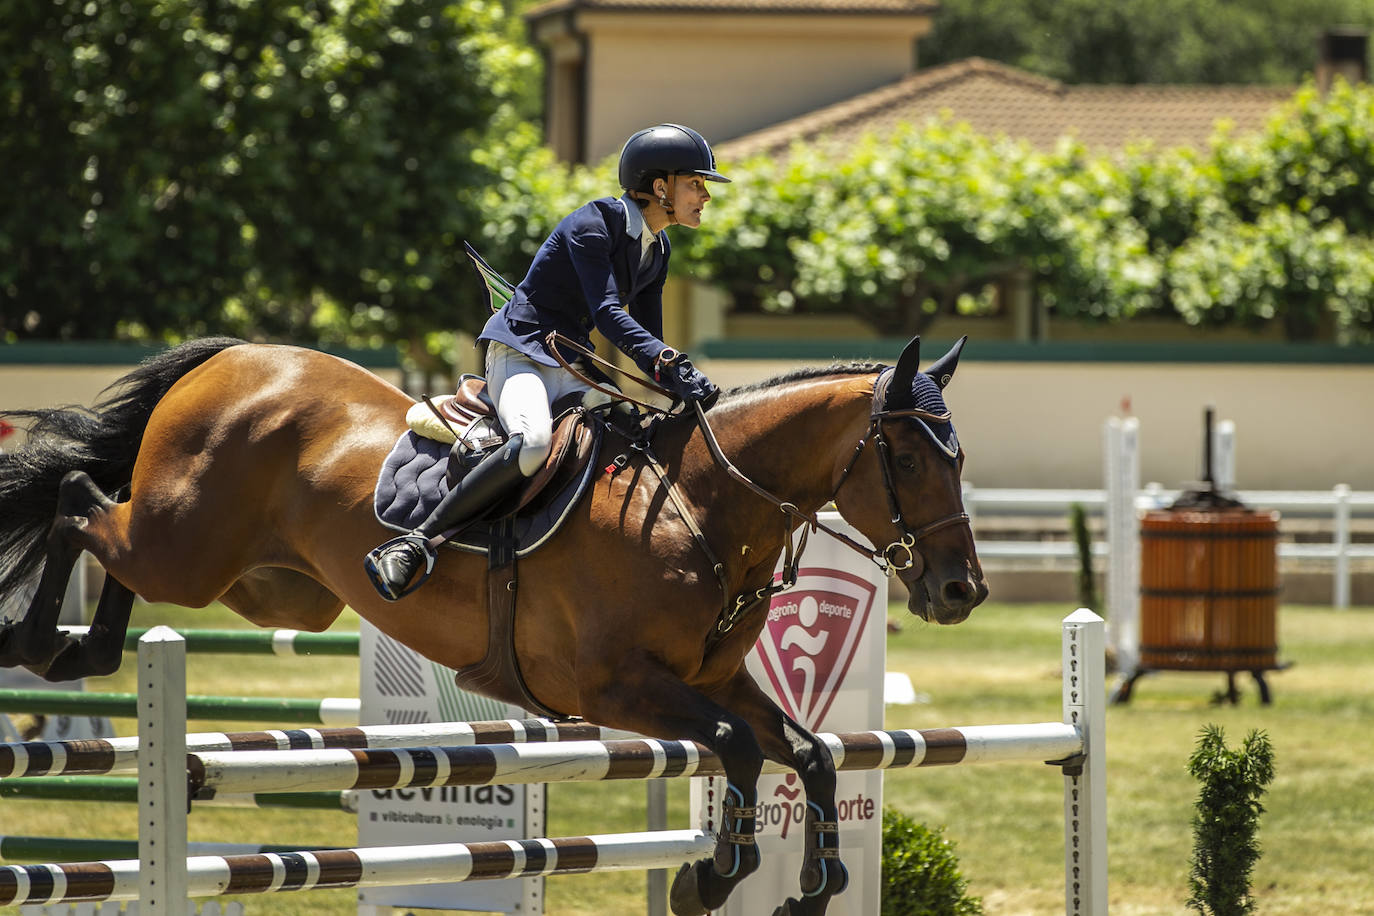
(381, 585)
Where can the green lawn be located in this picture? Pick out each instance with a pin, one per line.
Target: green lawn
(1006, 819)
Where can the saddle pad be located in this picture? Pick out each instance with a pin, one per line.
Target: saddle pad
(413, 481)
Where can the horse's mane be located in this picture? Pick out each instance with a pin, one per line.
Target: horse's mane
(805, 374)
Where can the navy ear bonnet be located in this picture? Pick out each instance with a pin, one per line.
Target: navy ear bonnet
(926, 395)
(909, 388)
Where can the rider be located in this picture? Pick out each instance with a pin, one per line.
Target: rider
(603, 266)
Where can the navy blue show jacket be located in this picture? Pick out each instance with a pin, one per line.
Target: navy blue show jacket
(588, 274)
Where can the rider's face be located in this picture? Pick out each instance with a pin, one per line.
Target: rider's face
(688, 196)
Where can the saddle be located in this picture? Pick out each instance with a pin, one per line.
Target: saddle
(448, 439)
(420, 470)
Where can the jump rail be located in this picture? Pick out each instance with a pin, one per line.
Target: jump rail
(164, 876)
(590, 761)
(328, 711)
(381, 866)
(251, 642)
(111, 756)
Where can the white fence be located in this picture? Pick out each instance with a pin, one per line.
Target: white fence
(1340, 504)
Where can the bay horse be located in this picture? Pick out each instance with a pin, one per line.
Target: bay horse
(243, 473)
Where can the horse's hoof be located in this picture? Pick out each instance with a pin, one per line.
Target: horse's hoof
(685, 897)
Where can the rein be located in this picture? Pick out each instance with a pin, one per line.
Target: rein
(888, 559)
(554, 339)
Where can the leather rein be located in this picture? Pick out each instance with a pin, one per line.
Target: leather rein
(889, 559)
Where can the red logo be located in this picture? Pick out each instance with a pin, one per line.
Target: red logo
(809, 641)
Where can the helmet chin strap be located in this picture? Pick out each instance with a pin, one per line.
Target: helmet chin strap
(663, 201)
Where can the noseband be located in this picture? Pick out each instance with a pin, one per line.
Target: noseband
(890, 558)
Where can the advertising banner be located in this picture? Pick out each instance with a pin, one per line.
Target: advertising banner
(399, 686)
(821, 657)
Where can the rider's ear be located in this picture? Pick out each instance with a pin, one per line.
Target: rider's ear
(942, 370)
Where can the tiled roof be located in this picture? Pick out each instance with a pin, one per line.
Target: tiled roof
(791, 7)
(997, 99)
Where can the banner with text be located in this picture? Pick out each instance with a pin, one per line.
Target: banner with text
(399, 686)
(821, 657)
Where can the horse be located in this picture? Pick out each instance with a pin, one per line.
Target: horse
(244, 473)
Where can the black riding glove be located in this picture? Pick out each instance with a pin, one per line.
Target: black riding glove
(687, 382)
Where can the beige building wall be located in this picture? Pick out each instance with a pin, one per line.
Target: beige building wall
(732, 74)
(1039, 424)
(1026, 425)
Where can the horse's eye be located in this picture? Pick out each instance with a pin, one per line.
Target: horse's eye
(906, 462)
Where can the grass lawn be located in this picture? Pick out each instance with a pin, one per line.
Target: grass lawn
(1005, 819)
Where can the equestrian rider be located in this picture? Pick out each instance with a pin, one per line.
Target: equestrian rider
(603, 266)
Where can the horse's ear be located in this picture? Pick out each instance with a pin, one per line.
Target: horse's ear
(942, 370)
(899, 389)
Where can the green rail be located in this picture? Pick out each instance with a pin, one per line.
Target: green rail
(329, 711)
(65, 849)
(260, 642)
(113, 789)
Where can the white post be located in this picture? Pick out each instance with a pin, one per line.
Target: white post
(1224, 456)
(1341, 586)
(1085, 779)
(1122, 440)
(162, 884)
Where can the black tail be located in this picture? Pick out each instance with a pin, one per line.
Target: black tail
(103, 441)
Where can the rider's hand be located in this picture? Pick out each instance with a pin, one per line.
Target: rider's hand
(688, 383)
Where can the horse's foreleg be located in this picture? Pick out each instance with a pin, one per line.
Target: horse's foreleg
(823, 875)
(34, 641)
(647, 698)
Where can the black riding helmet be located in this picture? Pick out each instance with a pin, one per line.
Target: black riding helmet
(668, 149)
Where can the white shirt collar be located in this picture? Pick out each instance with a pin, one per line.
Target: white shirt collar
(635, 224)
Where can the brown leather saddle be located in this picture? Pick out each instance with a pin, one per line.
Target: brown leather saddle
(575, 436)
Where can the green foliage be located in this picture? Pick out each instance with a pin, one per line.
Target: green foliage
(190, 166)
(1082, 538)
(309, 170)
(921, 872)
(1226, 819)
(1141, 41)
(926, 220)
(1280, 267)
(919, 222)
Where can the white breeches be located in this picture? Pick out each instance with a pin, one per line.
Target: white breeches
(523, 390)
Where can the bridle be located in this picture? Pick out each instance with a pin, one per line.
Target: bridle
(898, 556)
(887, 558)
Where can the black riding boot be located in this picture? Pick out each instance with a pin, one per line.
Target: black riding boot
(394, 564)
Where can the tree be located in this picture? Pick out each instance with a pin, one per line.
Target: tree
(1142, 41)
(191, 166)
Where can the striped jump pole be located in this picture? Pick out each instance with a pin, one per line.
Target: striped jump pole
(107, 756)
(590, 761)
(383, 866)
(328, 711)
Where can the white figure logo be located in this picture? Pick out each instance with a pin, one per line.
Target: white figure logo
(811, 644)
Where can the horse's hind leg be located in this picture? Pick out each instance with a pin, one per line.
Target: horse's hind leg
(101, 650)
(34, 641)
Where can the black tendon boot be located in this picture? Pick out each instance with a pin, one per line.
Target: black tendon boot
(394, 564)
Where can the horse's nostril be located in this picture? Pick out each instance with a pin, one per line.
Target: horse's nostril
(956, 591)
